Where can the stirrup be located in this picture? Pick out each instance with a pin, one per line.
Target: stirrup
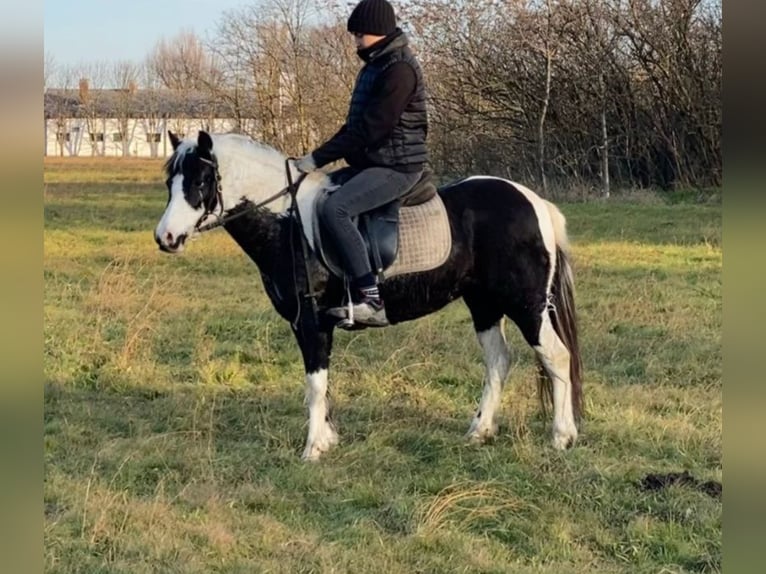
(348, 321)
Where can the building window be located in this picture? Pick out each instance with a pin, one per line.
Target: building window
(155, 137)
(116, 137)
(62, 137)
(97, 136)
(76, 129)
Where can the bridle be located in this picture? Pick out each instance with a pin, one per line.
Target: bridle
(217, 199)
(214, 199)
(292, 190)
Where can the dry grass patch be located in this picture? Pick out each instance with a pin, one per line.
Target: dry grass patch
(107, 170)
(174, 416)
(467, 504)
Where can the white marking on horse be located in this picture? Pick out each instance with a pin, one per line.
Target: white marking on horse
(544, 220)
(179, 216)
(497, 363)
(254, 171)
(249, 170)
(555, 359)
(321, 435)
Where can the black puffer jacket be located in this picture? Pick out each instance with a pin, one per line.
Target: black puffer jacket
(387, 121)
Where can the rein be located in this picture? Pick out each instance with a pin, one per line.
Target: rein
(292, 189)
(310, 293)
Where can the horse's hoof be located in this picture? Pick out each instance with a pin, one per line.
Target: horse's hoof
(564, 440)
(311, 454)
(481, 435)
(315, 449)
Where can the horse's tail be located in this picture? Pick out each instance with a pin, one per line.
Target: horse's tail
(563, 314)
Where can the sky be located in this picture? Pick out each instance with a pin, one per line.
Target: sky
(80, 31)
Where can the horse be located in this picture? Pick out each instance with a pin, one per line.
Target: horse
(509, 258)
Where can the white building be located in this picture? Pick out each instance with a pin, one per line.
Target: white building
(128, 122)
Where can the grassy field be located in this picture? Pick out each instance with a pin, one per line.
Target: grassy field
(174, 419)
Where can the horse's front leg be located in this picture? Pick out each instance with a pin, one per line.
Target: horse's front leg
(316, 346)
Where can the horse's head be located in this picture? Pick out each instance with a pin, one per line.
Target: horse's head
(193, 191)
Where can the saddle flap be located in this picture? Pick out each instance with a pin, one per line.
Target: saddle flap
(379, 229)
(409, 235)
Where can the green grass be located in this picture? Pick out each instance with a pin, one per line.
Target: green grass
(174, 415)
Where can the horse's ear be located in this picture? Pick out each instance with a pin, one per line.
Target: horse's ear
(174, 140)
(204, 141)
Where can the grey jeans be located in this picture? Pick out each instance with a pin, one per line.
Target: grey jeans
(367, 190)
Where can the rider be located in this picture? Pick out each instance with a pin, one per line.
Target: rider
(383, 141)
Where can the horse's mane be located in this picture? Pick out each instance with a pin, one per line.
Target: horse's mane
(240, 144)
(235, 142)
(230, 146)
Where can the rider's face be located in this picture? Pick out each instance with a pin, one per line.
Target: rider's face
(365, 40)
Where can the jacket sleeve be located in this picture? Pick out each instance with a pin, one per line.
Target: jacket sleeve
(390, 94)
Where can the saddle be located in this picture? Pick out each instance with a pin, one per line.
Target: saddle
(381, 229)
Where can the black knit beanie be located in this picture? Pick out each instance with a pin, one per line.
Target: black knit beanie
(374, 17)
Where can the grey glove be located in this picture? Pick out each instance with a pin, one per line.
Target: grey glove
(306, 164)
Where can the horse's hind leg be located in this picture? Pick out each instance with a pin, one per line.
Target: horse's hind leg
(497, 363)
(555, 359)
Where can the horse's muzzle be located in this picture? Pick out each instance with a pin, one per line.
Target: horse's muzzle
(173, 246)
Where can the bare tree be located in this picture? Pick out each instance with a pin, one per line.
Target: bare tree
(92, 79)
(546, 44)
(246, 81)
(597, 93)
(179, 63)
(154, 109)
(125, 76)
(63, 109)
(476, 111)
(581, 90)
(292, 76)
(49, 69)
(675, 46)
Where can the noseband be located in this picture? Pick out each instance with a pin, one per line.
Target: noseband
(214, 199)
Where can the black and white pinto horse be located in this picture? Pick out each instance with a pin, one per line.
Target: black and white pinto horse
(508, 259)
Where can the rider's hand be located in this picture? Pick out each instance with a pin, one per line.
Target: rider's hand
(306, 164)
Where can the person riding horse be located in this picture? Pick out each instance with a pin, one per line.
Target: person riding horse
(383, 141)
